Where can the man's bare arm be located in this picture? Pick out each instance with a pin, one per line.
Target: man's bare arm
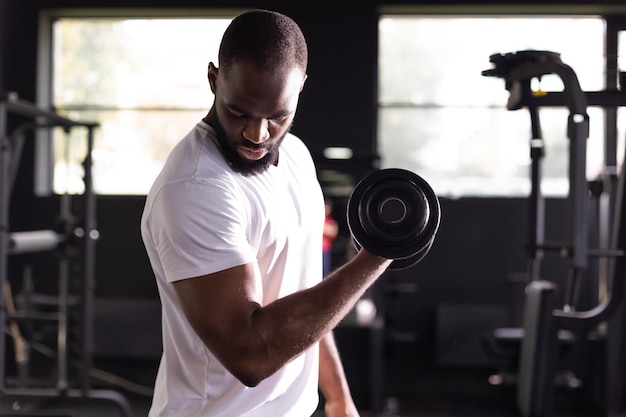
(333, 382)
(254, 341)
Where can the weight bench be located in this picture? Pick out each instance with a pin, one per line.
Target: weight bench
(508, 342)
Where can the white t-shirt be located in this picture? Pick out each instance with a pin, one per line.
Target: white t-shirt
(201, 217)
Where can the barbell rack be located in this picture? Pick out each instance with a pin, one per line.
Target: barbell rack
(82, 233)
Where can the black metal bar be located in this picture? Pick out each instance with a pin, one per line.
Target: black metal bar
(62, 326)
(604, 98)
(537, 364)
(25, 108)
(578, 196)
(536, 201)
(5, 156)
(91, 236)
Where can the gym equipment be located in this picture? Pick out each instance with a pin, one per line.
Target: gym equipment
(537, 365)
(33, 241)
(394, 213)
(542, 320)
(75, 241)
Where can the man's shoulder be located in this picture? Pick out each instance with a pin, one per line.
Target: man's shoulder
(294, 144)
(194, 159)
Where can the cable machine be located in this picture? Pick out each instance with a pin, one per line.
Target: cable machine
(543, 319)
(75, 239)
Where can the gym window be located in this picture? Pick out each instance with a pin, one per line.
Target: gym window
(142, 78)
(439, 117)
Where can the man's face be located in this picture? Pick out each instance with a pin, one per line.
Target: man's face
(253, 112)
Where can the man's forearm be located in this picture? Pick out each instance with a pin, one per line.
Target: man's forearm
(292, 324)
(333, 383)
(332, 380)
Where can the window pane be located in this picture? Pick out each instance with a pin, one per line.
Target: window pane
(481, 151)
(439, 117)
(130, 148)
(445, 141)
(135, 62)
(143, 80)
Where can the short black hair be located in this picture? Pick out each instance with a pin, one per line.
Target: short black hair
(270, 40)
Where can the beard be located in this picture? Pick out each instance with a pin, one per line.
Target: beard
(232, 157)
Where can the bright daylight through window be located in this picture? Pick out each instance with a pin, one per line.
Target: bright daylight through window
(439, 117)
(143, 80)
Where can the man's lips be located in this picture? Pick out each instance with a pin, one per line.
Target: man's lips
(253, 154)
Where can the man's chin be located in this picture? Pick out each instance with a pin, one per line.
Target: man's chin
(245, 161)
(249, 168)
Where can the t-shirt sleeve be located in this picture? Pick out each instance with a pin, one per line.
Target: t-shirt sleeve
(199, 228)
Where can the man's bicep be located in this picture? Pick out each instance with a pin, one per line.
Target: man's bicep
(220, 305)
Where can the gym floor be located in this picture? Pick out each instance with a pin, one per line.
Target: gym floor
(410, 391)
(411, 385)
(436, 399)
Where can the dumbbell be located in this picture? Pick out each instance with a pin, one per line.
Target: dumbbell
(394, 213)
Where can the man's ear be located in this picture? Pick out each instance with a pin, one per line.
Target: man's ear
(212, 75)
(303, 81)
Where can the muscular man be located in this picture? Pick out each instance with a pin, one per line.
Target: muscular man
(233, 229)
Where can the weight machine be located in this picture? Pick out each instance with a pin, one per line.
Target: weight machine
(75, 239)
(543, 319)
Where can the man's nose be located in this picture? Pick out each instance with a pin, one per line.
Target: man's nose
(256, 131)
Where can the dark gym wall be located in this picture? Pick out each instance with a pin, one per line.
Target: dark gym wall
(480, 241)
(3, 42)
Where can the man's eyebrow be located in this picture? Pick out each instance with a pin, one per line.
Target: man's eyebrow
(237, 109)
(281, 114)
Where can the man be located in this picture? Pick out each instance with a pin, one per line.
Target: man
(233, 229)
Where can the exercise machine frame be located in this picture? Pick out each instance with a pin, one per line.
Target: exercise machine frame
(542, 319)
(10, 103)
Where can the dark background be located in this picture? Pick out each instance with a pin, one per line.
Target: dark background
(436, 313)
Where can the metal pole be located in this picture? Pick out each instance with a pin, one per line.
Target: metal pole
(536, 201)
(5, 156)
(91, 236)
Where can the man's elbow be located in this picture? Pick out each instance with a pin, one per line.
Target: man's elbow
(250, 375)
(250, 381)
(252, 368)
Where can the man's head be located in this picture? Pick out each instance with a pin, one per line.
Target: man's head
(263, 60)
(269, 40)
